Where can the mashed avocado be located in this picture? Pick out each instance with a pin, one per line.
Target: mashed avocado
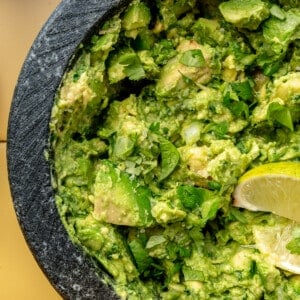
(158, 116)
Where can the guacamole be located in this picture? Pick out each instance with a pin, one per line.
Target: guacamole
(159, 114)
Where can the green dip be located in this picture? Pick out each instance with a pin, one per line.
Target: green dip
(157, 117)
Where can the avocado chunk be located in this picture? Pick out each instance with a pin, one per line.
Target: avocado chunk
(192, 63)
(136, 16)
(120, 200)
(280, 33)
(245, 14)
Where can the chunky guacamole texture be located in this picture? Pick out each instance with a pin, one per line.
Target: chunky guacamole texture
(159, 114)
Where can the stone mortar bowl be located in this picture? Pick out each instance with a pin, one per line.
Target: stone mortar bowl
(71, 272)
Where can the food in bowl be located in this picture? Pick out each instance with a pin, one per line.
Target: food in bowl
(159, 114)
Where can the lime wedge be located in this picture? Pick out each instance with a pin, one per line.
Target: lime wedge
(273, 187)
(272, 241)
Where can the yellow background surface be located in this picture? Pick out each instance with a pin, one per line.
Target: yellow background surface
(20, 276)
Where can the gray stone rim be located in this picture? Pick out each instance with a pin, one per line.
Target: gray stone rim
(73, 274)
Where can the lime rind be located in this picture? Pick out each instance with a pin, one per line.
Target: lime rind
(288, 168)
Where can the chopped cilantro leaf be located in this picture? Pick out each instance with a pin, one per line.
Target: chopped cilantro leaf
(133, 67)
(243, 90)
(193, 58)
(280, 114)
(141, 257)
(190, 196)
(169, 158)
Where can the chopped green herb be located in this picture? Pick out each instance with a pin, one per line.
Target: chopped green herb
(190, 196)
(193, 58)
(243, 90)
(281, 114)
(141, 257)
(169, 158)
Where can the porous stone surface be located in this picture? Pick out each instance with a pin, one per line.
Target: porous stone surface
(72, 273)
